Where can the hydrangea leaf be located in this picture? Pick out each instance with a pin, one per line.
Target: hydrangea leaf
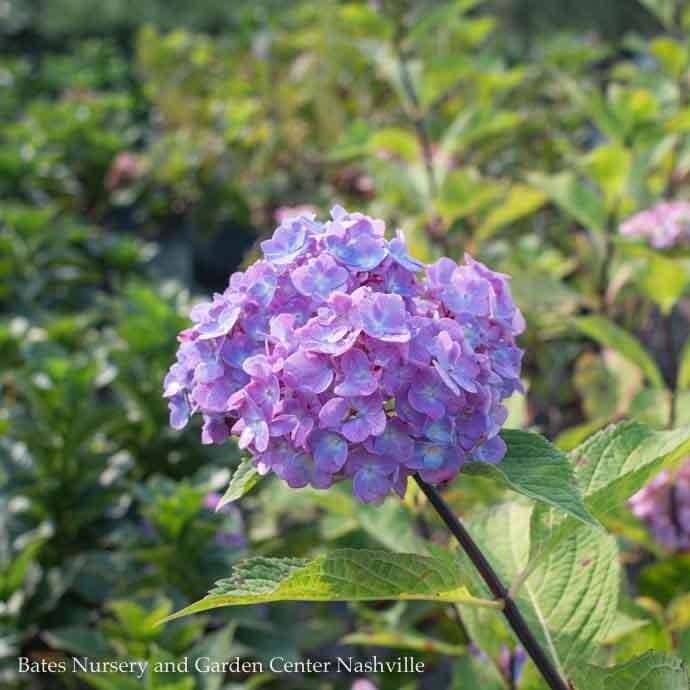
(537, 469)
(396, 141)
(405, 639)
(651, 671)
(577, 199)
(664, 281)
(521, 201)
(608, 334)
(609, 468)
(683, 382)
(243, 480)
(464, 192)
(343, 575)
(391, 524)
(473, 672)
(569, 600)
(664, 10)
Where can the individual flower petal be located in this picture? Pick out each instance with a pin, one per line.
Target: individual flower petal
(384, 317)
(215, 430)
(308, 372)
(179, 411)
(328, 333)
(397, 249)
(468, 294)
(300, 470)
(436, 463)
(358, 377)
(394, 442)
(288, 241)
(366, 417)
(220, 324)
(333, 412)
(491, 451)
(237, 349)
(319, 278)
(359, 247)
(329, 449)
(426, 396)
(370, 485)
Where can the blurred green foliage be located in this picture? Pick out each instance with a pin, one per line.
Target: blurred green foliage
(144, 148)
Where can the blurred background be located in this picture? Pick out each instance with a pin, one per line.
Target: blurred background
(146, 147)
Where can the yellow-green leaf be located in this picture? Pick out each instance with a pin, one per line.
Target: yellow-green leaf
(343, 575)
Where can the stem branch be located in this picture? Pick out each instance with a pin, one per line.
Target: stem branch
(498, 589)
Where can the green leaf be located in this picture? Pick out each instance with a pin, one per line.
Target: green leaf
(215, 645)
(664, 10)
(405, 640)
(353, 143)
(471, 125)
(537, 469)
(343, 575)
(593, 103)
(473, 673)
(609, 166)
(570, 599)
(464, 192)
(672, 54)
(391, 524)
(664, 281)
(680, 122)
(245, 478)
(651, 671)
(683, 382)
(573, 196)
(111, 681)
(678, 613)
(396, 141)
(610, 335)
(609, 468)
(617, 462)
(13, 578)
(520, 201)
(79, 640)
(575, 435)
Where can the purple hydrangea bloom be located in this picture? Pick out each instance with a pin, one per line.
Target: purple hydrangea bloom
(665, 225)
(319, 278)
(664, 505)
(383, 316)
(338, 356)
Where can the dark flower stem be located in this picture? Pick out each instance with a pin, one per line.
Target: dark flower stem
(498, 589)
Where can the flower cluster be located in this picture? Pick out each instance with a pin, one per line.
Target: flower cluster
(664, 504)
(664, 225)
(331, 358)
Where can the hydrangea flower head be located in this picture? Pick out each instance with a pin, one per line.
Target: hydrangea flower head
(664, 225)
(339, 356)
(664, 505)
